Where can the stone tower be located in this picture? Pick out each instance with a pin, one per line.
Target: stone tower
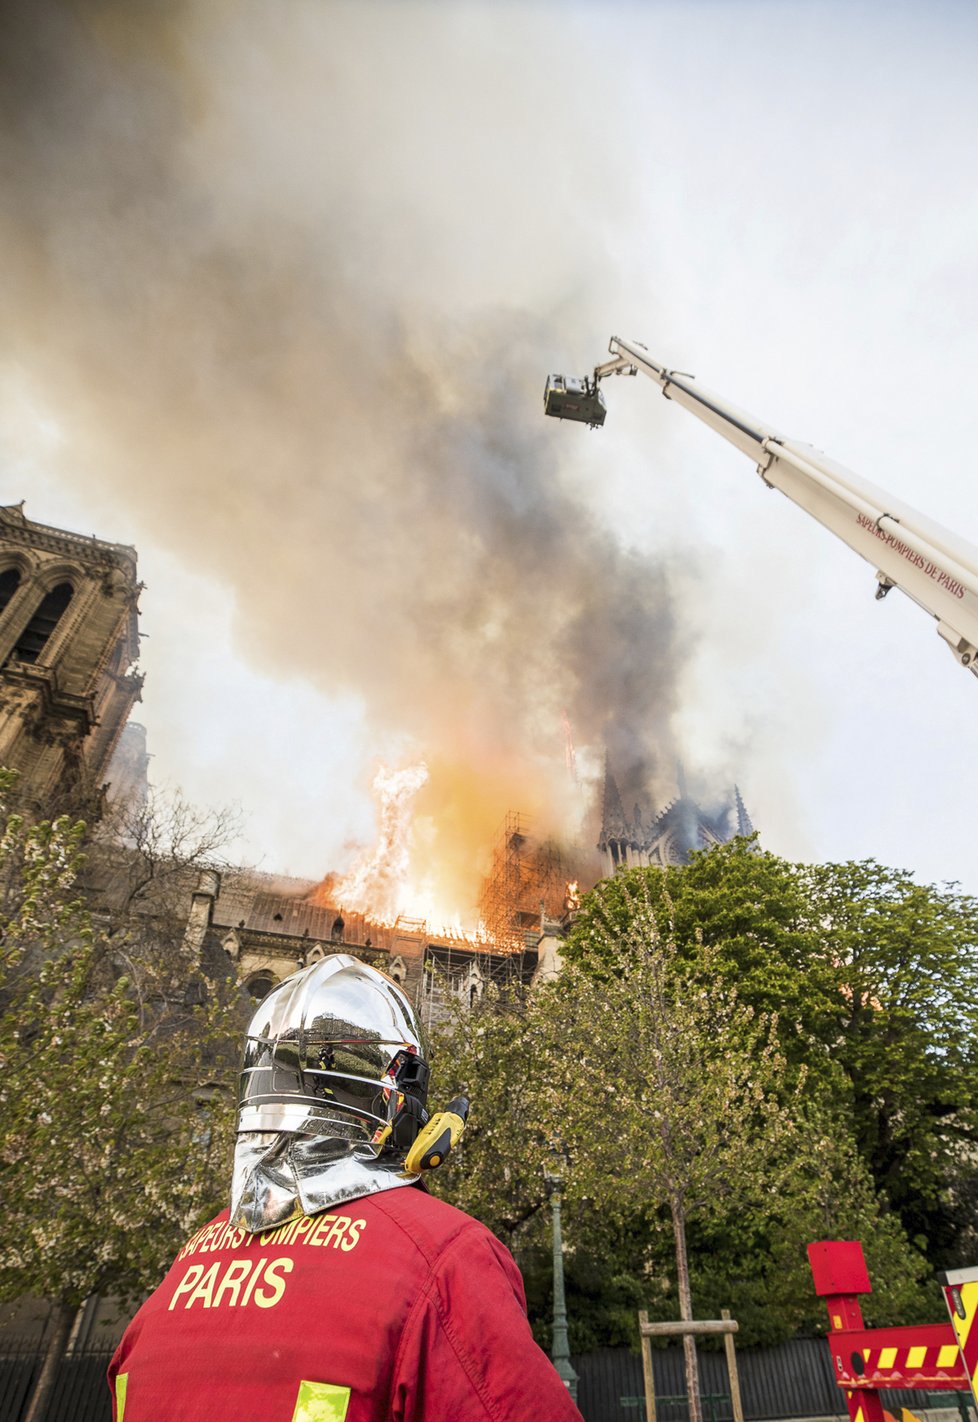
(68, 642)
(670, 836)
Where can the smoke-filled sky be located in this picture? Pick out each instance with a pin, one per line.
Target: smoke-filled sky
(281, 287)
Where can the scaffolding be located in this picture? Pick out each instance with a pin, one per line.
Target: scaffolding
(526, 882)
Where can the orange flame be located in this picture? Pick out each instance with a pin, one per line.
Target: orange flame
(377, 884)
(382, 884)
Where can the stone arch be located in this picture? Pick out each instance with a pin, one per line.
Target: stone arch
(37, 633)
(472, 986)
(19, 565)
(260, 983)
(20, 559)
(11, 578)
(15, 608)
(61, 570)
(40, 620)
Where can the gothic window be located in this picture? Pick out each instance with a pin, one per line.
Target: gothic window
(259, 985)
(37, 633)
(9, 583)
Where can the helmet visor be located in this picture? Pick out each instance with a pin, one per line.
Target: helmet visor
(346, 1076)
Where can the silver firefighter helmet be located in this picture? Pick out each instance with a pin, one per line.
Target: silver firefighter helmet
(333, 1094)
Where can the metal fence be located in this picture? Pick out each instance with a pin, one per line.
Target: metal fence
(792, 1380)
(80, 1393)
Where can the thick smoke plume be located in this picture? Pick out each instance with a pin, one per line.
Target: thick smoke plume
(292, 297)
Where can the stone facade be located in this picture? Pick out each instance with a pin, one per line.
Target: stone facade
(68, 644)
(270, 926)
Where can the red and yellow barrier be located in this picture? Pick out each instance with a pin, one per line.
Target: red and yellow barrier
(961, 1296)
(932, 1357)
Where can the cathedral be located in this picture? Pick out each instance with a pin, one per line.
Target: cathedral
(69, 642)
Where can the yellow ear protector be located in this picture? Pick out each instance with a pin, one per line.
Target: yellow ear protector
(438, 1137)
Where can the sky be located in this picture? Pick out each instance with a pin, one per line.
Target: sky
(282, 287)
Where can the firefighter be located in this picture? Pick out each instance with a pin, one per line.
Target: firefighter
(336, 1289)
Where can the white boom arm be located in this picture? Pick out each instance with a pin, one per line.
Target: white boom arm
(934, 567)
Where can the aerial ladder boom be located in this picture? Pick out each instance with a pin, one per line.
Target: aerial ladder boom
(933, 566)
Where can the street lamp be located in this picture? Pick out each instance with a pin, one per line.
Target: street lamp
(560, 1349)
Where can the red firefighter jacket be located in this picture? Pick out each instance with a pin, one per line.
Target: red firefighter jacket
(396, 1306)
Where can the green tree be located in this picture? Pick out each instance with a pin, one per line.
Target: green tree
(904, 959)
(109, 1058)
(753, 1260)
(749, 906)
(677, 1090)
(563, 1062)
(494, 1052)
(874, 980)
